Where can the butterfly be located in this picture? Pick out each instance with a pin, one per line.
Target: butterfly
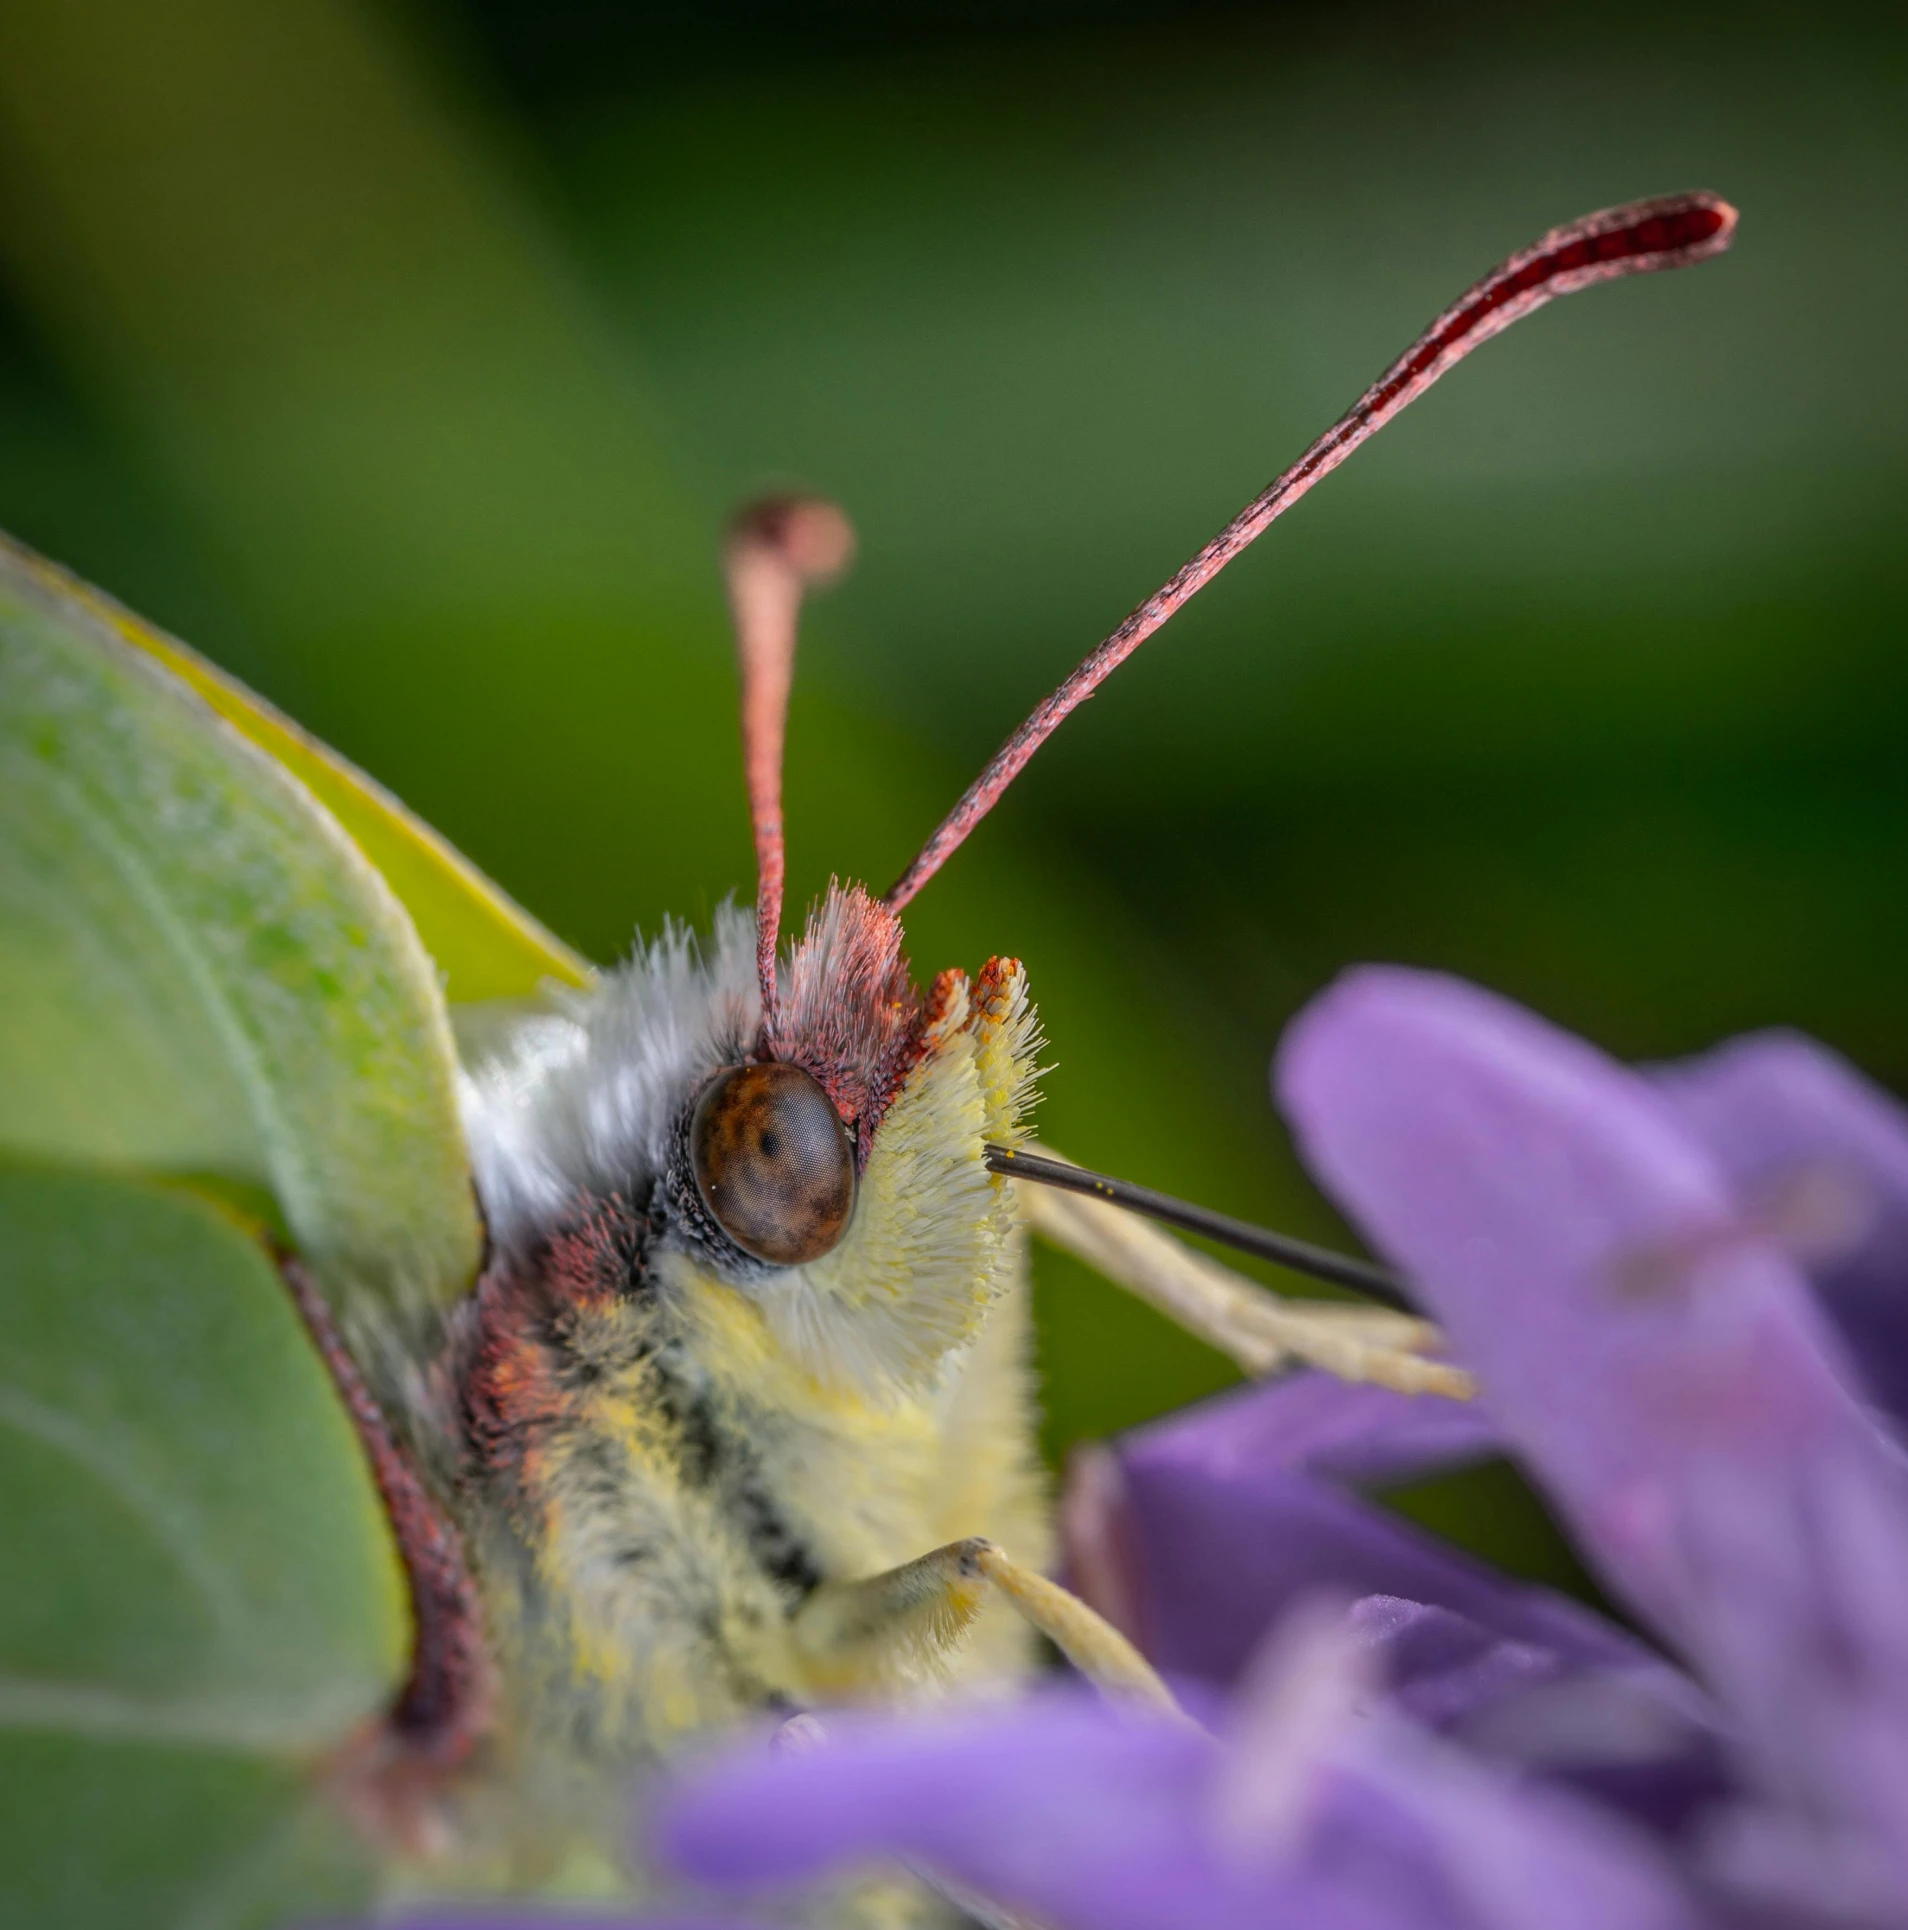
(421, 1433)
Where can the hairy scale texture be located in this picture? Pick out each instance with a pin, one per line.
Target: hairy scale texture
(661, 1449)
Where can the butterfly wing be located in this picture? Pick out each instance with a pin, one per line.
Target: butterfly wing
(202, 1603)
(485, 944)
(203, 980)
(199, 971)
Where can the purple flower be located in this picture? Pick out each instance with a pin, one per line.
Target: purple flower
(1453, 1749)
(1293, 1813)
(1225, 1519)
(1814, 1148)
(1665, 1372)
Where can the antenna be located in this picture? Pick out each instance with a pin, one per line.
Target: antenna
(1670, 232)
(776, 548)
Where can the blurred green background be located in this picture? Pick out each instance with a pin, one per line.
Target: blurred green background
(407, 358)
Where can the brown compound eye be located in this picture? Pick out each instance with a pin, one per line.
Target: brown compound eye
(773, 1163)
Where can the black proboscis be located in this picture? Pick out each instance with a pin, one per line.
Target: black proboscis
(1341, 1269)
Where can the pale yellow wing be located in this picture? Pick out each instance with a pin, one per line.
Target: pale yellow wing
(486, 945)
(202, 974)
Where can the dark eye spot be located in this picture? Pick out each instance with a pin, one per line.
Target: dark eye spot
(773, 1163)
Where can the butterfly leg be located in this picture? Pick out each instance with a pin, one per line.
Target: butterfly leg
(848, 1633)
(901, 1622)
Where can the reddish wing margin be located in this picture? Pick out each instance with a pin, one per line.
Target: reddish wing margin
(445, 1706)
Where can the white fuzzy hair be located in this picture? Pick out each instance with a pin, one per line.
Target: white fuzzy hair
(583, 1098)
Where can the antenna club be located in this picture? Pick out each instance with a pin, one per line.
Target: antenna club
(807, 535)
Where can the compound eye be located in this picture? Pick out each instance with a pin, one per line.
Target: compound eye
(773, 1163)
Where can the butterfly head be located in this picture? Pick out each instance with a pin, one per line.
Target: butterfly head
(781, 1144)
(826, 1159)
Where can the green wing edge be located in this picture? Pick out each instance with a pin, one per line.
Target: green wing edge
(485, 943)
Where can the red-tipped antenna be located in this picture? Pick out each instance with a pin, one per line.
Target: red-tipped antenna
(1647, 235)
(775, 549)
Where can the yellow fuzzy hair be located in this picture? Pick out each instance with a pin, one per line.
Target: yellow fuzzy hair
(882, 1398)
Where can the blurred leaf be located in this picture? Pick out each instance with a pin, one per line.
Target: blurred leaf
(485, 944)
(203, 1598)
(200, 972)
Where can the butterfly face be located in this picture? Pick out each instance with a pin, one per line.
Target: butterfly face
(868, 1238)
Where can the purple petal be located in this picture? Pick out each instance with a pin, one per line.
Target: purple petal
(1181, 1478)
(1519, 1858)
(1222, 1560)
(1444, 1668)
(1228, 1526)
(1776, 1109)
(1105, 1821)
(1694, 1420)
(1540, 1196)
(1316, 1424)
(1804, 1575)
(1633, 1733)
(1216, 1535)
(1057, 1806)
